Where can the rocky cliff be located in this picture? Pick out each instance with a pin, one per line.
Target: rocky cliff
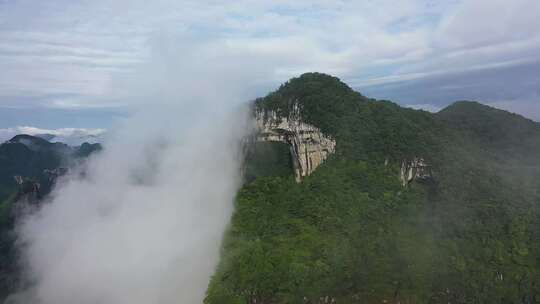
(413, 170)
(309, 147)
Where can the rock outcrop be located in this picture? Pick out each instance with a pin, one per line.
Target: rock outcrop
(309, 147)
(415, 169)
(29, 192)
(54, 174)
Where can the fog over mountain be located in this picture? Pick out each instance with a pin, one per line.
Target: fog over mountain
(145, 222)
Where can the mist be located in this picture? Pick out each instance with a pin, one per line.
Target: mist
(144, 223)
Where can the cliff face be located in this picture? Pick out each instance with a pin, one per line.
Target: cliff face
(413, 170)
(309, 147)
(31, 191)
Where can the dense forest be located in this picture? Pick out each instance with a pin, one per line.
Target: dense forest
(353, 233)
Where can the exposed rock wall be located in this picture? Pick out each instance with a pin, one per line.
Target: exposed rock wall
(29, 193)
(309, 147)
(31, 190)
(415, 169)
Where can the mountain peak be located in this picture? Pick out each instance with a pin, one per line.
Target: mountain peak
(313, 83)
(29, 140)
(473, 111)
(468, 105)
(320, 100)
(317, 76)
(496, 128)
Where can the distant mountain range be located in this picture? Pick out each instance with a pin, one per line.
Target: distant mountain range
(73, 139)
(31, 157)
(69, 136)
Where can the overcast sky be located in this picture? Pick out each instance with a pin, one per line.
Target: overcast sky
(61, 60)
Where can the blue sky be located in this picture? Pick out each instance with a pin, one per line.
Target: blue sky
(64, 63)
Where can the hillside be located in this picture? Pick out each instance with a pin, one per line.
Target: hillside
(412, 207)
(30, 156)
(29, 167)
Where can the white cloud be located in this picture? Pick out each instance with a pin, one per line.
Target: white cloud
(143, 225)
(79, 38)
(481, 34)
(86, 48)
(489, 22)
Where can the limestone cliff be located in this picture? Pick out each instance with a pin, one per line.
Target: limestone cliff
(415, 169)
(309, 147)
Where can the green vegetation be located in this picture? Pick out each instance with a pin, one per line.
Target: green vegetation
(352, 233)
(365, 129)
(276, 156)
(8, 259)
(19, 159)
(29, 157)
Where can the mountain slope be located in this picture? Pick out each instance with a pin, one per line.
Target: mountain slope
(29, 167)
(353, 233)
(30, 156)
(364, 128)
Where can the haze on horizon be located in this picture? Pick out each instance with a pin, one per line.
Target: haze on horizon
(64, 63)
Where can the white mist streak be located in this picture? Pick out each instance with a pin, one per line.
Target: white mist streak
(145, 224)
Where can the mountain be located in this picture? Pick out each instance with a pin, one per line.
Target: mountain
(354, 200)
(75, 138)
(69, 136)
(348, 199)
(29, 157)
(29, 168)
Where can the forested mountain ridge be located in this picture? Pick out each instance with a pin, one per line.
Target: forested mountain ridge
(324, 101)
(29, 168)
(352, 232)
(31, 157)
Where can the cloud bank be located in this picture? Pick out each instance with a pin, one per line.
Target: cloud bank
(145, 223)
